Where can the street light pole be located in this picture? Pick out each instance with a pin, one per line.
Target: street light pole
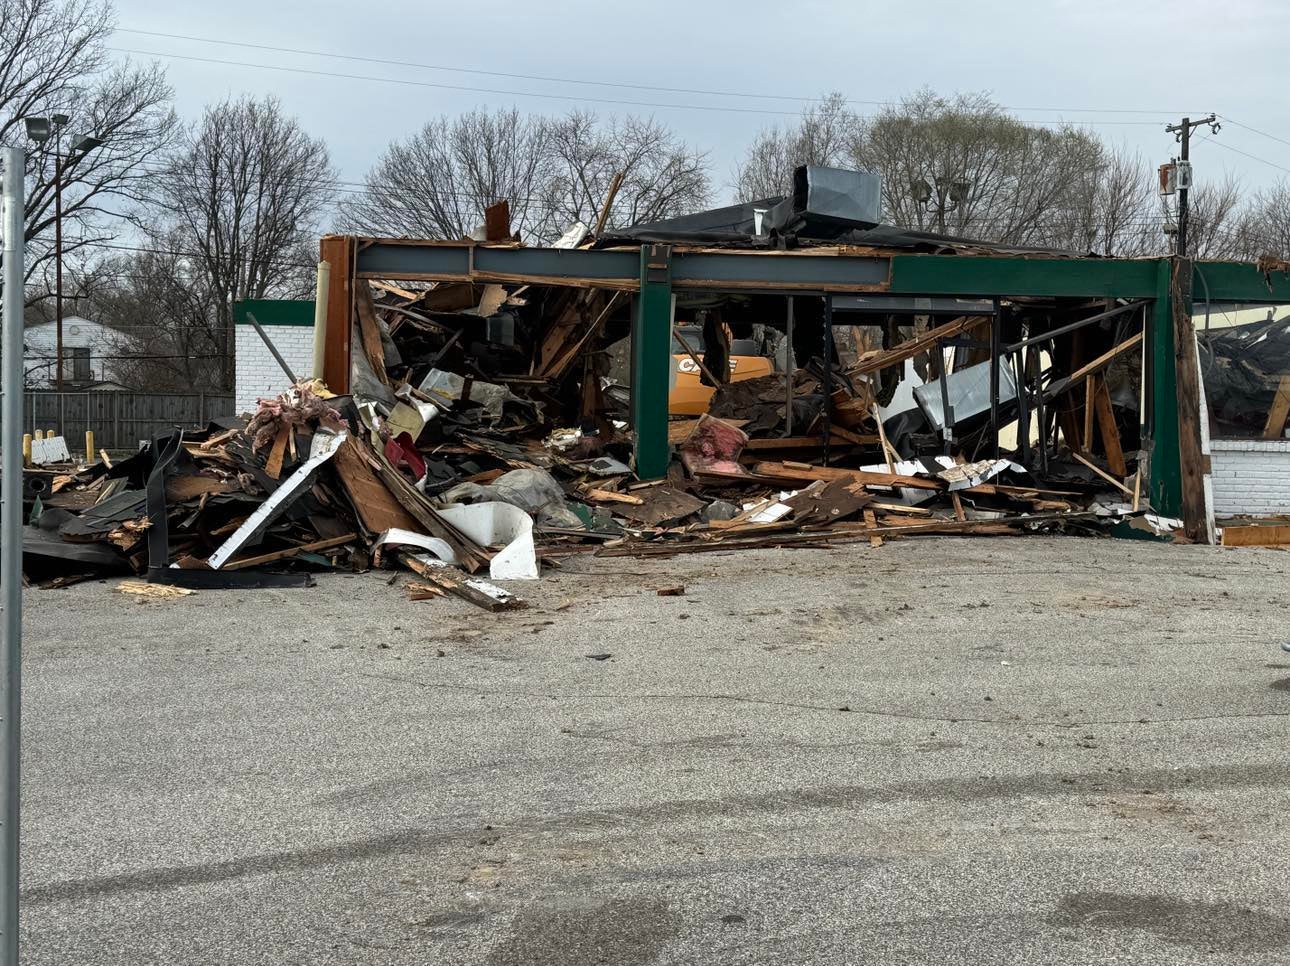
(11, 381)
(58, 257)
(40, 130)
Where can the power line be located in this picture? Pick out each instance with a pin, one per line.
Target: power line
(1247, 127)
(330, 55)
(1252, 157)
(512, 93)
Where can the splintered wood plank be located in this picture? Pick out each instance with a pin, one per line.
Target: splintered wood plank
(1191, 459)
(1102, 360)
(481, 593)
(1068, 420)
(1090, 387)
(917, 345)
(959, 513)
(265, 558)
(273, 465)
(889, 454)
(608, 204)
(1257, 536)
(1104, 475)
(1110, 434)
(497, 221)
(377, 508)
(181, 488)
(871, 521)
(369, 329)
(560, 364)
(609, 496)
(807, 473)
(1279, 410)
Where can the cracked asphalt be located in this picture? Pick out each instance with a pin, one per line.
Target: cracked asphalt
(1033, 750)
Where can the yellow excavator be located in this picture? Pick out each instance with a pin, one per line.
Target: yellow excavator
(688, 396)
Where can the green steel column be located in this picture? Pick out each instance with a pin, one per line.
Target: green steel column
(1164, 487)
(652, 361)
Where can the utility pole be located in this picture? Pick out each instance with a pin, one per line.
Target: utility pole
(1182, 133)
(11, 381)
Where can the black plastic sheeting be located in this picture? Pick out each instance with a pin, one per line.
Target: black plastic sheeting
(791, 221)
(1242, 367)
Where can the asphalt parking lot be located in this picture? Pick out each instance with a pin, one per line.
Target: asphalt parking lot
(1031, 750)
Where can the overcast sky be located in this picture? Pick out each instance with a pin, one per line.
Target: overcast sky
(1123, 67)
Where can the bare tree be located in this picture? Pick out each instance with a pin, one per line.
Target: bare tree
(437, 183)
(1112, 210)
(53, 59)
(552, 171)
(1264, 226)
(240, 204)
(162, 308)
(1214, 219)
(823, 136)
(661, 176)
(967, 167)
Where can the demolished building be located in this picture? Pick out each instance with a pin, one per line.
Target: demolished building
(912, 384)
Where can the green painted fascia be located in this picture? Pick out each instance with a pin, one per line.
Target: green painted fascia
(652, 361)
(1238, 282)
(275, 311)
(981, 275)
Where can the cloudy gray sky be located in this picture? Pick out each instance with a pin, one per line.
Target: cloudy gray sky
(1123, 67)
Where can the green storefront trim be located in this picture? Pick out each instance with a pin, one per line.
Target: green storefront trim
(275, 311)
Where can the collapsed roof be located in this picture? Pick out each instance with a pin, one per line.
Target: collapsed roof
(828, 205)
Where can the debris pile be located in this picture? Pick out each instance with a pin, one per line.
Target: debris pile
(488, 430)
(452, 469)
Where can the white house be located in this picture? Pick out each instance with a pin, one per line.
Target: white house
(89, 351)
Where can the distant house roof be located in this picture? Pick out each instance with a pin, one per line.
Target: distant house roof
(69, 320)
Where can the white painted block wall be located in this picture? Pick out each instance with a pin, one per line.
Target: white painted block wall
(257, 374)
(1251, 477)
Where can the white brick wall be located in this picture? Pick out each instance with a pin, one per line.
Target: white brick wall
(258, 374)
(1251, 477)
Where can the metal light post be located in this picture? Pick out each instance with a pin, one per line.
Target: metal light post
(11, 550)
(950, 195)
(40, 130)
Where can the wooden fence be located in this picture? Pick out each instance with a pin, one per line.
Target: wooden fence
(119, 420)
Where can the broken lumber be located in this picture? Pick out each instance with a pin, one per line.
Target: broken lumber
(1257, 536)
(871, 522)
(841, 534)
(370, 330)
(609, 496)
(1101, 361)
(916, 345)
(1278, 411)
(1103, 474)
(277, 555)
(481, 593)
(1110, 433)
(803, 472)
(377, 508)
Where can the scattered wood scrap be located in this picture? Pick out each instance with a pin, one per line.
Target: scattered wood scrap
(481, 593)
(1257, 535)
(803, 472)
(139, 588)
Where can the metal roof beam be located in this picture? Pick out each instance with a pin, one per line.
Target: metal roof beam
(721, 271)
